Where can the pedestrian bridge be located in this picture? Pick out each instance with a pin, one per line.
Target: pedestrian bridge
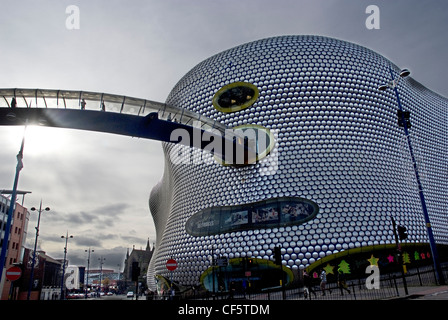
(111, 113)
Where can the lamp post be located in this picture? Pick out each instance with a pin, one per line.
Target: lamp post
(101, 272)
(88, 264)
(63, 267)
(213, 270)
(35, 247)
(402, 120)
(118, 272)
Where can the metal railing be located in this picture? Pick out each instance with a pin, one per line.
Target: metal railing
(97, 101)
(391, 286)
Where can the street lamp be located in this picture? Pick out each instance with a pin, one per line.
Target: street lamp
(35, 245)
(118, 272)
(88, 264)
(101, 271)
(403, 122)
(63, 267)
(213, 270)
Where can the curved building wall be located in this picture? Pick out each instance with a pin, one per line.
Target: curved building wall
(337, 144)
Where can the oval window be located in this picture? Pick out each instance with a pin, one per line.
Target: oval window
(264, 214)
(235, 97)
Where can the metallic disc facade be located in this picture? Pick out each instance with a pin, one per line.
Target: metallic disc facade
(337, 144)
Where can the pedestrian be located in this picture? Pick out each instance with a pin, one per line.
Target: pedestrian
(308, 287)
(83, 104)
(172, 292)
(232, 290)
(342, 284)
(323, 281)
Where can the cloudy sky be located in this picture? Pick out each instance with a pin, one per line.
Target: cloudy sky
(97, 185)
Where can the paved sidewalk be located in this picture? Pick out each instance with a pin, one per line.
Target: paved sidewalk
(425, 293)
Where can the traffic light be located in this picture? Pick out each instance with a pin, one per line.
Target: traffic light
(277, 256)
(402, 232)
(406, 115)
(135, 271)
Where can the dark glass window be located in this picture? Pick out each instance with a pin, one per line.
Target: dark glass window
(235, 97)
(270, 213)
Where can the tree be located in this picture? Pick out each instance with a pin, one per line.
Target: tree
(344, 266)
(416, 256)
(406, 258)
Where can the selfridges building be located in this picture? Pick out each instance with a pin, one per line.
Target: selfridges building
(335, 170)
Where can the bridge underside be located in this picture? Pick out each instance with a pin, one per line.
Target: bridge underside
(147, 127)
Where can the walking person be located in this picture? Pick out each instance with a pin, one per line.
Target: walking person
(232, 290)
(342, 284)
(308, 286)
(323, 281)
(172, 293)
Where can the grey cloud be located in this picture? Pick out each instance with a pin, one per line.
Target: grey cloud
(88, 241)
(98, 185)
(112, 258)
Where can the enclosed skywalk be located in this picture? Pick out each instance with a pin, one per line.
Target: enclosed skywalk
(116, 114)
(95, 101)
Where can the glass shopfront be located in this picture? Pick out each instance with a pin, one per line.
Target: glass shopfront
(269, 213)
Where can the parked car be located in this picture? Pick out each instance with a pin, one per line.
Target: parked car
(130, 294)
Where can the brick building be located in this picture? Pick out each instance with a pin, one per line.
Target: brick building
(46, 284)
(19, 225)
